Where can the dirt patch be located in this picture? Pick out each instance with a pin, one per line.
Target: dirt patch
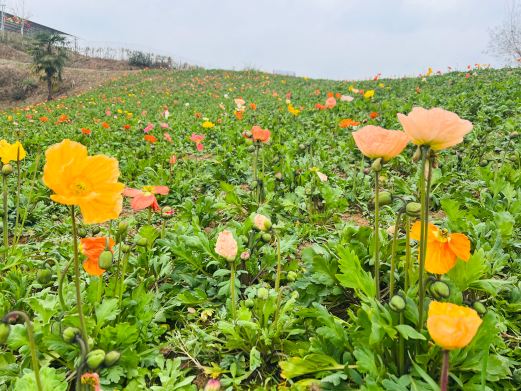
(356, 218)
(197, 157)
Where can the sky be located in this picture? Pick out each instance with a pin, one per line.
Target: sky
(334, 39)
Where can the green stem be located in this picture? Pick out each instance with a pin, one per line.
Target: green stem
(18, 190)
(60, 285)
(122, 283)
(444, 378)
(149, 215)
(408, 263)
(32, 344)
(83, 328)
(232, 290)
(401, 349)
(277, 279)
(377, 234)
(425, 174)
(6, 212)
(393, 254)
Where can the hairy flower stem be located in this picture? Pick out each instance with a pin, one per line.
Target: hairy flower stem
(401, 349)
(83, 328)
(32, 344)
(79, 371)
(444, 378)
(6, 232)
(232, 290)
(393, 253)
(277, 279)
(377, 234)
(408, 264)
(122, 281)
(425, 179)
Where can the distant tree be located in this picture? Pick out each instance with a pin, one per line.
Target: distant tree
(49, 56)
(19, 8)
(505, 40)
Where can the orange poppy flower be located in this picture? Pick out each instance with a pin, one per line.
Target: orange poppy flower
(145, 198)
(330, 102)
(62, 118)
(91, 182)
(44, 119)
(126, 127)
(436, 127)
(151, 139)
(348, 122)
(253, 106)
(452, 326)
(105, 125)
(239, 115)
(442, 248)
(329, 94)
(376, 142)
(92, 249)
(259, 134)
(373, 115)
(86, 131)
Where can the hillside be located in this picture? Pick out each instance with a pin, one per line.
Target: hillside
(250, 231)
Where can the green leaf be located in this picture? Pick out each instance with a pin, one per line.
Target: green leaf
(107, 311)
(353, 276)
(52, 380)
(297, 366)
(463, 274)
(255, 359)
(408, 332)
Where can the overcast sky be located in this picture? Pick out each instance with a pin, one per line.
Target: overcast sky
(339, 39)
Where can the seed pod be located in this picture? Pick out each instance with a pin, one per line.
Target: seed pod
(5, 330)
(44, 276)
(251, 148)
(413, 209)
(105, 260)
(70, 333)
(82, 232)
(122, 228)
(263, 293)
(266, 237)
(95, 230)
(7, 169)
(111, 358)
(397, 303)
(95, 358)
(479, 307)
(142, 242)
(292, 275)
(439, 290)
(125, 248)
(417, 155)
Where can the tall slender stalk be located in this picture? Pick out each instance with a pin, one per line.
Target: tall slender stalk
(83, 328)
(277, 278)
(408, 263)
(425, 175)
(377, 233)
(6, 213)
(444, 378)
(32, 344)
(393, 253)
(401, 349)
(232, 290)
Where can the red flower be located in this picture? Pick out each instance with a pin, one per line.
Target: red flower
(126, 127)
(145, 198)
(259, 134)
(151, 139)
(86, 131)
(105, 125)
(373, 114)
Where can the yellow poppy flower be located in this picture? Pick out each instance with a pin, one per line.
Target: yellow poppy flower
(11, 152)
(91, 182)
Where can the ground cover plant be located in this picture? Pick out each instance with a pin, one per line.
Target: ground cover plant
(190, 230)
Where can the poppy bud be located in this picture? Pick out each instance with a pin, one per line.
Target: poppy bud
(111, 358)
(417, 155)
(105, 259)
(254, 184)
(397, 303)
(479, 307)
(245, 255)
(249, 303)
(82, 232)
(44, 276)
(122, 228)
(167, 212)
(377, 165)
(266, 237)
(262, 293)
(413, 209)
(95, 358)
(5, 330)
(95, 230)
(142, 242)
(514, 135)
(69, 334)
(278, 176)
(251, 148)
(384, 198)
(7, 169)
(125, 248)
(301, 147)
(292, 276)
(439, 290)
(213, 385)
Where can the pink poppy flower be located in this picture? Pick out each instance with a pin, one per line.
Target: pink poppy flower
(163, 125)
(145, 198)
(226, 245)
(148, 128)
(167, 137)
(330, 102)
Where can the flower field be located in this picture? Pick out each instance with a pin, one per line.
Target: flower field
(218, 230)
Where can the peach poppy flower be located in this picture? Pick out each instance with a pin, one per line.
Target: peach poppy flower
(173, 160)
(226, 245)
(452, 326)
(330, 102)
(91, 379)
(167, 137)
(145, 198)
(443, 248)
(261, 222)
(259, 134)
(376, 142)
(348, 122)
(436, 127)
(91, 182)
(346, 98)
(92, 249)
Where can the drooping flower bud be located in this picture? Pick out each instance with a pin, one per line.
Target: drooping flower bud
(439, 290)
(70, 333)
(111, 358)
(384, 198)
(377, 165)
(95, 358)
(105, 259)
(417, 155)
(413, 209)
(213, 385)
(397, 303)
(261, 222)
(7, 169)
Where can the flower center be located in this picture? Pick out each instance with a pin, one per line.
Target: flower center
(443, 235)
(80, 188)
(148, 190)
